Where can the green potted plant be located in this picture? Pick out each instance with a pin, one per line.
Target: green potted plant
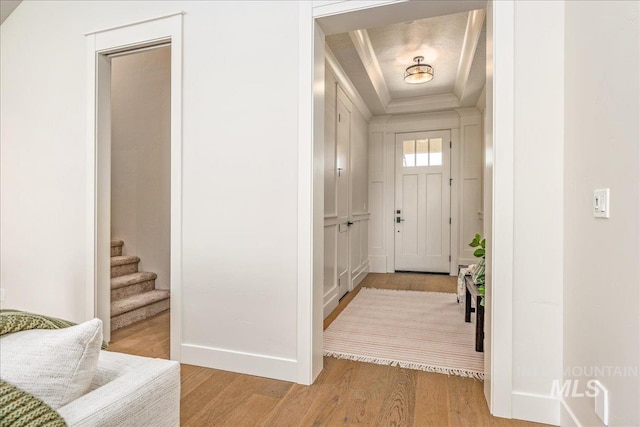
(478, 274)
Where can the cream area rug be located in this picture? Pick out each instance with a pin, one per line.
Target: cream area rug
(410, 329)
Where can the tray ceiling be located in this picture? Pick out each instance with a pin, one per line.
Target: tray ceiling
(375, 60)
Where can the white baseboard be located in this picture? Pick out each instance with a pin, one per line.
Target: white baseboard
(377, 263)
(245, 363)
(567, 417)
(330, 303)
(357, 278)
(535, 407)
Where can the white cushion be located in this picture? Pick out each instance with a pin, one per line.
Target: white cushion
(55, 365)
(113, 365)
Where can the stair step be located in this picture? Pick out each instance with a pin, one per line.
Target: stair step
(124, 259)
(116, 247)
(123, 265)
(131, 284)
(138, 307)
(135, 302)
(132, 279)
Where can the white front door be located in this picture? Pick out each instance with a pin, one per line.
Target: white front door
(343, 164)
(423, 202)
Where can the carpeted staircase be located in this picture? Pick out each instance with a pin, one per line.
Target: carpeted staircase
(134, 295)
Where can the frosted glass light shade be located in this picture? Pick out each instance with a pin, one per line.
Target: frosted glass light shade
(418, 73)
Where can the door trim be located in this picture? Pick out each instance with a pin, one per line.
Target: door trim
(167, 28)
(498, 387)
(452, 122)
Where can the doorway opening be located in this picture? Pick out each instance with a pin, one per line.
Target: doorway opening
(396, 191)
(316, 23)
(140, 185)
(134, 135)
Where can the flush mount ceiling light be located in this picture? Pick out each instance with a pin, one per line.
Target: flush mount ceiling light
(418, 73)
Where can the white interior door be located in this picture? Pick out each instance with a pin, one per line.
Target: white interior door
(423, 202)
(343, 165)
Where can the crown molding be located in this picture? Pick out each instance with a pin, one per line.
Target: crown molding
(346, 83)
(362, 43)
(475, 21)
(418, 104)
(415, 122)
(468, 112)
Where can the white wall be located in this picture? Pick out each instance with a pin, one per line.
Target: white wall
(330, 299)
(602, 256)
(330, 174)
(359, 163)
(469, 188)
(377, 229)
(538, 208)
(141, 158)
(359, 200)
(239, 212)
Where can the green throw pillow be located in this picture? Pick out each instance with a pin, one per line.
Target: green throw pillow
(21, 409)
(17, 321)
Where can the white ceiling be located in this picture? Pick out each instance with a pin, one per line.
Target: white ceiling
(375, 60)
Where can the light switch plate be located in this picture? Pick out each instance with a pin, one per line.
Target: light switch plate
(602, 402)
(601, 203)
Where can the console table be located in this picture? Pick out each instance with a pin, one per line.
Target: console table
(472, 292)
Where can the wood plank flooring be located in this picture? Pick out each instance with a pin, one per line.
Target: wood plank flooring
(345, 393)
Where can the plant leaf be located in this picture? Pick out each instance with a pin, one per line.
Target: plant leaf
(478, 253)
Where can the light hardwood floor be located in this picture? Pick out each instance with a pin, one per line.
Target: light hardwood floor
(345, 393)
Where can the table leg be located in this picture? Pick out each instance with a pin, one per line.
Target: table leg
(467, 305)
(479, 325)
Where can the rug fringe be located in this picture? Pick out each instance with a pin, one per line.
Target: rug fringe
(407, 365)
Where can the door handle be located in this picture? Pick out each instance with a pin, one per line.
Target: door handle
(399, 220)
(349, 223)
